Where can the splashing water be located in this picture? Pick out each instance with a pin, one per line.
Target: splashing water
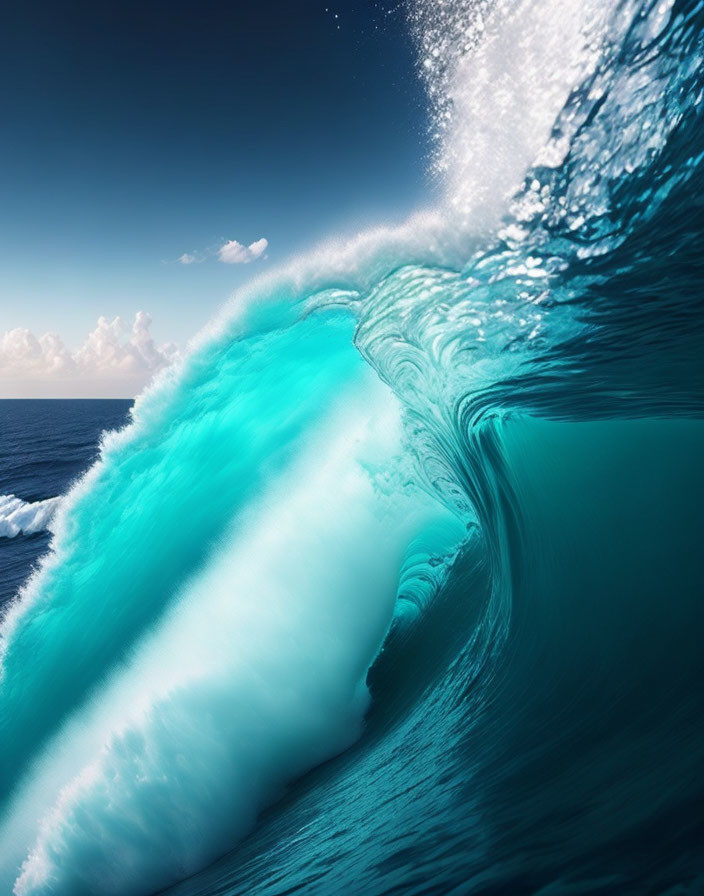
(23, 517)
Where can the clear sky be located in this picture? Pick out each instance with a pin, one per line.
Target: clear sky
(136, 134)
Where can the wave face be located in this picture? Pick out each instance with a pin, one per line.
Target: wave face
(433, 500)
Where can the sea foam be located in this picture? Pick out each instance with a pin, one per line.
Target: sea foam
(18, 517)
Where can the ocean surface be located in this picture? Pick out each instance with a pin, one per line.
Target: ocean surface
(45, 446)
(394, 585)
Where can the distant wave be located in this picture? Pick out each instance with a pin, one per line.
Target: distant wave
(18, 517)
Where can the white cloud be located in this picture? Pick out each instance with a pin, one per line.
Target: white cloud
(230, 252)
(114, 359)
(233, 252)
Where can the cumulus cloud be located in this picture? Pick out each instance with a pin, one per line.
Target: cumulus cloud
(233, 252)
(230, 252)
(114, 359)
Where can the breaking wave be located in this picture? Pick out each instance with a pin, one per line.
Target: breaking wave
(18, 517)
(445, 478)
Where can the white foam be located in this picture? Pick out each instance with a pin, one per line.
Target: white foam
(18, 517)
(499, 74)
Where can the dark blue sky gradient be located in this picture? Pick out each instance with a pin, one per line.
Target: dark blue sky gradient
(134, 132)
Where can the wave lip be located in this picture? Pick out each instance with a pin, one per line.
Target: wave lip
(18, 517)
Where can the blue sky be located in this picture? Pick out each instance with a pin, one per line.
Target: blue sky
(136, 132)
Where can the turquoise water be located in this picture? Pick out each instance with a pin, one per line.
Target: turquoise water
(394, 584)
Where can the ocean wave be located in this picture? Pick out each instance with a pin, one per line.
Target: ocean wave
(393, 445)
(18, 517)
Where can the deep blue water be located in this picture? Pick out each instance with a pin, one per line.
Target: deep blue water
(44, 447)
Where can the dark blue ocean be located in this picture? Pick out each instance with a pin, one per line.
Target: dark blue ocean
(395, 585)
(44, 447)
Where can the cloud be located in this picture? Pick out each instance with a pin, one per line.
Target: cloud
(233, 252)
(114, 359)
(230, 252)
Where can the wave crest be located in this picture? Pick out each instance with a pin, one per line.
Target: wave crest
(18, 517)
